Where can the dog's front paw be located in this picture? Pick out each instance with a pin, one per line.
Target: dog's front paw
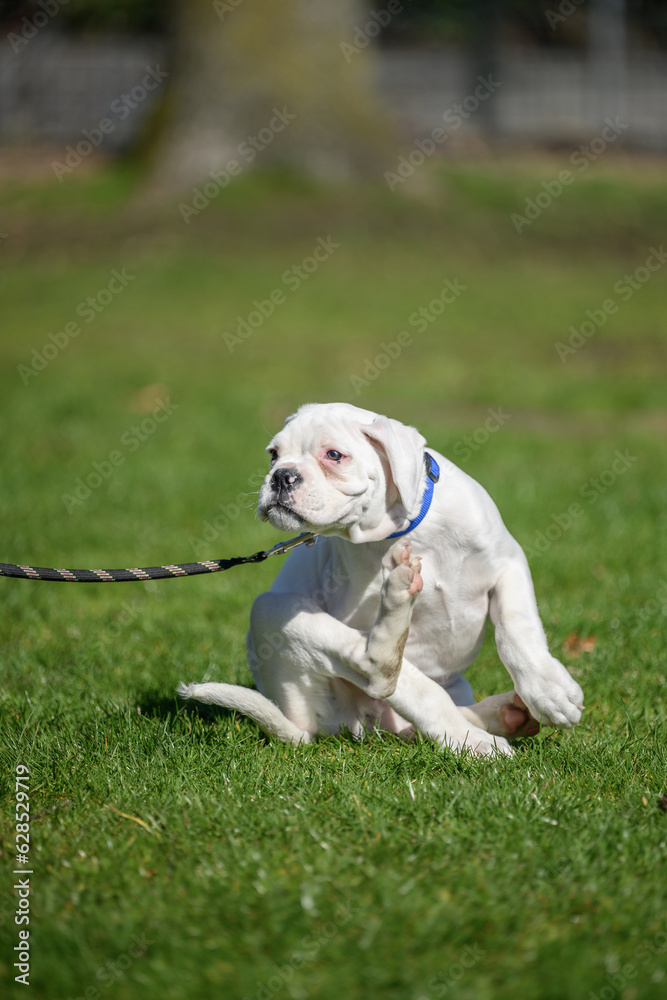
(553, 696)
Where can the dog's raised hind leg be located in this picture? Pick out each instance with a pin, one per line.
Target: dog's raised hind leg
(388, 636)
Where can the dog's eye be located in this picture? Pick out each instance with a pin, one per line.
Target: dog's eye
(334, 456)
(273, 455)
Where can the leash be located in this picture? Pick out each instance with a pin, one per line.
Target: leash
(149, 572)
(207, 566)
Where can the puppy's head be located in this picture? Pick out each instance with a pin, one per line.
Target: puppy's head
(338, 469)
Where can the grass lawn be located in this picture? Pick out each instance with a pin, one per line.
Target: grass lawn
(175, 851)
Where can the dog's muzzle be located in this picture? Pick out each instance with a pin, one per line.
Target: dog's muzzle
(278, 504)
(284, 482)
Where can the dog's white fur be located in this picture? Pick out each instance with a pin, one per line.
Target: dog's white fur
(344, 638)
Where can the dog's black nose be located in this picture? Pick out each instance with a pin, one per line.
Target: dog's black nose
(284, 480)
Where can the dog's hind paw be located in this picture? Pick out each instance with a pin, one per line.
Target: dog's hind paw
(482, 744)
(502, 715)
(403, 572)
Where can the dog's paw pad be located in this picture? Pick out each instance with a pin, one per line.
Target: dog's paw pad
(517, 720)
(416, 582)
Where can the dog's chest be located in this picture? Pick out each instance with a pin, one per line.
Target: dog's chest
(354, 601)
(352, 594)
(448, 620)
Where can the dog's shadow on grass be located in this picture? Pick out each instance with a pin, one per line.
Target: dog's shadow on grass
(153, 703)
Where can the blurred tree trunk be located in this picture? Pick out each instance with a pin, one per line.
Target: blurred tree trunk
(238, 62)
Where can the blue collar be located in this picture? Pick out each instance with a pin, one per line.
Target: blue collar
(432, 476)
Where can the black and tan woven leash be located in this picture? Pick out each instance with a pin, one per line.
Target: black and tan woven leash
(170, 572)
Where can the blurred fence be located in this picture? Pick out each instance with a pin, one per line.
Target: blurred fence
(58, 85)
(541, 96)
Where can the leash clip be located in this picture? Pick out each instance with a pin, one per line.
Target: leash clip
(305, 538)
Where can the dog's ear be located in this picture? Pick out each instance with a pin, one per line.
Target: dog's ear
(403, 448)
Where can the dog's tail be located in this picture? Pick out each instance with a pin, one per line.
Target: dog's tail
(253, 704)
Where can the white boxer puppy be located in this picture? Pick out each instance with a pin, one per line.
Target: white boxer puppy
(357, 631)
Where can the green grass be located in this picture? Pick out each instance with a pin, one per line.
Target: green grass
(246, 868)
